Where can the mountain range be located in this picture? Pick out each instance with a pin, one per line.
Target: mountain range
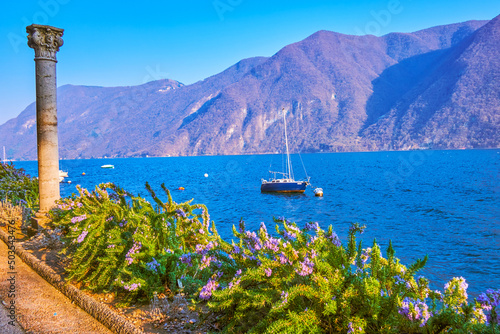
(437, 88)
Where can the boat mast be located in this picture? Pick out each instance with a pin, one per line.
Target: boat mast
(287, 153)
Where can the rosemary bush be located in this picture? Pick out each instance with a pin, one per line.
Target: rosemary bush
(306, 281)
(297, 280)
(119, 242)
(17, 187)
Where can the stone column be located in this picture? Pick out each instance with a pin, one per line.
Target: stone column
(46, 41)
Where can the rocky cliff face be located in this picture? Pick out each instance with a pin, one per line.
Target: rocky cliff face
(453, 102)
(435, 88)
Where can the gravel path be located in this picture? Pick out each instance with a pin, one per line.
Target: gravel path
(6, 327)
(40, 308)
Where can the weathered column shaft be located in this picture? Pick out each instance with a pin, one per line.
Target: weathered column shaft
(46, 40)
(47, 142)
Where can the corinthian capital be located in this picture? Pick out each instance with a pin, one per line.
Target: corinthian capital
(46, 41)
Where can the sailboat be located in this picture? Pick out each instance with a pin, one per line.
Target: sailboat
(287, 183)
(4, 157)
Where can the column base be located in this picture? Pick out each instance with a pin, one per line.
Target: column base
(40, 221)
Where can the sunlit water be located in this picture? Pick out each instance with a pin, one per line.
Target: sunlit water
(441, 203)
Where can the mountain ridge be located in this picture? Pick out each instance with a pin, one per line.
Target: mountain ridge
(341, 92)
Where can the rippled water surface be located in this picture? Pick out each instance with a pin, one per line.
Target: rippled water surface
(441, 203)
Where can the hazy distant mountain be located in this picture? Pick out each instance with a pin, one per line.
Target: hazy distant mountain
(454, 103)
(437, 88)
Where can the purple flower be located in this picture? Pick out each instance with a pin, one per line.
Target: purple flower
(312, 226)
(209, 288)
(490, 297)
(461, 283)
(241, 226)
(186, 258)
(306, 267)
(234, 283)
(206, 260)
(272, 244)
(202, 250)
(63, 207)
(399, 280)
(366, 254)
(334, 239)
(132, 287)
(268, 272)
(135, 249)
(356, 227)
(284, 297)
(283, 259)
(489, 302)
(236, 249)
(180, 212)
(78, 218)
(415, 310)
(252, 241)
(289, 235)
(111, 246)
(110, 218)
(251, 236)
(153, 265)
(312, 241)
(291, 232)
(252, 258)
(82, 236)
(438, 295)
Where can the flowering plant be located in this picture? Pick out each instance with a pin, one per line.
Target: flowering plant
(306, 281)
(300, 280)
(18, 187)
(120, 242)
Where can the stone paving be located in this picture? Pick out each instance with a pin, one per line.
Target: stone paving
(40, 308)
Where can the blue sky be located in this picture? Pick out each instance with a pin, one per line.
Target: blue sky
(121, 43)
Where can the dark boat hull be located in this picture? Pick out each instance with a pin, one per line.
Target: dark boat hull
(283, 187)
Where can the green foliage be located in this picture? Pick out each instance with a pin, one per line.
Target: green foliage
(306, 281)
(298, 280)
(119, 242)
(17, 187)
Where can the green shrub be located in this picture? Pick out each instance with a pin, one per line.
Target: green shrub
(299, 280)
(119, 242)
(306, 281)
(17, 187)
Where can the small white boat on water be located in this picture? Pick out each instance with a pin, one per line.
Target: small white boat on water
(107, 166)
(62, 175)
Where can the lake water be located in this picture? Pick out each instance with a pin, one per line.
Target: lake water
(441, 203)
